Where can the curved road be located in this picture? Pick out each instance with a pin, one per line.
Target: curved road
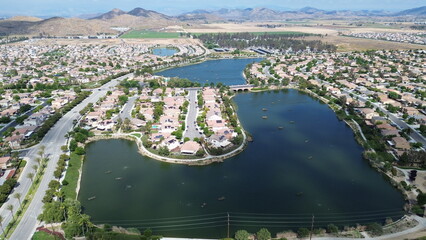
(53, 141)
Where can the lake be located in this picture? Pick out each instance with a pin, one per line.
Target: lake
(226, 71)
(164, 52)
(313, 166)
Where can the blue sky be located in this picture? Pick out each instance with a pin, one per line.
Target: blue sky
(77, 7)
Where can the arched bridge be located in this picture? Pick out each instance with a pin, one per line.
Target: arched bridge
(241, 88)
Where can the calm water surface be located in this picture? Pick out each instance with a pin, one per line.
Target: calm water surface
(226, 71)
(312, 166)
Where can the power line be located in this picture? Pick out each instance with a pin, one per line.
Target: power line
(309, 214)
(322, 217)
(265, 215)
(159, 219)
(166, 221)
(271, 220)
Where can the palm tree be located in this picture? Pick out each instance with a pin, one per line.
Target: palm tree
(30, 176)
(10, 208)
(35, 167)
(38, 160)
(60, 195)
(1, 224)
(42, 148)
(18, 196)
(40, 153)
(84, 221)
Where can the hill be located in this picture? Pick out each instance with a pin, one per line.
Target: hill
(420, 11)
(111, 14)
(55, 26)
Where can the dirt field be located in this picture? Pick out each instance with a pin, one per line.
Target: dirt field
(251, 27)
(346, 44)
(178, 41)
(328, 28)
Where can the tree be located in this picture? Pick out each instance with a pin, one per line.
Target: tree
(30, 176)
(241, 235)
(1, 224)
(80, 151)
(331, 228)
(147, 233)
(164, 151)
(375, 228)
(126, 124)
(263, 234)
(302, 232)
(79, 137)
(200, 152)
(18, 196)
(35, 167)
(10, 208)
(84, 222)
(73, 145)
(421, 199)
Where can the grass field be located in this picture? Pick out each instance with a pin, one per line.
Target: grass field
(150, 34)
(72, 176)
(42, 236)
(262, 33)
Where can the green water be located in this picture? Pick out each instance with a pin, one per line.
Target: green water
(312, 166)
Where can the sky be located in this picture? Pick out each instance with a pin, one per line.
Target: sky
(68, 8)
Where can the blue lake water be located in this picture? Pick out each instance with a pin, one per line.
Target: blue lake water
(226, 71)
(313, 166)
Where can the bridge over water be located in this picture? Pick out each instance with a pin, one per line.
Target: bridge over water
(241, 88)
(235, 88)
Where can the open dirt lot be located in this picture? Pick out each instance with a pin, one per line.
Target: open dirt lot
(346, 44)
(252, 27)
(171, 41)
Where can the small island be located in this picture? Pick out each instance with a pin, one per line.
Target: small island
(172, 119)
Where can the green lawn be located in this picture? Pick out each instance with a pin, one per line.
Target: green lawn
(42, 236)
(72, 176)
(138, 135)
(150, 34)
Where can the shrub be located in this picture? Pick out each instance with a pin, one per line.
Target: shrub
(302, 232)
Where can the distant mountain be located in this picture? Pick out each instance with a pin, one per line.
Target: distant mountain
(311, 10)
(111, 14)
(420, 11)
(56, 26)
(140, 12)
(137, 18)
(247, 14)
(140, 18)
(88, 15)
(264, 14)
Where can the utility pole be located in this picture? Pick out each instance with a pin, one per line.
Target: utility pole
(228, 224)
(312, 227)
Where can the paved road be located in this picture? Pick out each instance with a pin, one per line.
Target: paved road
(401, 124)
(126, 111)
(191, 118)
(13, 123)
(267, 73)
(53, 140)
